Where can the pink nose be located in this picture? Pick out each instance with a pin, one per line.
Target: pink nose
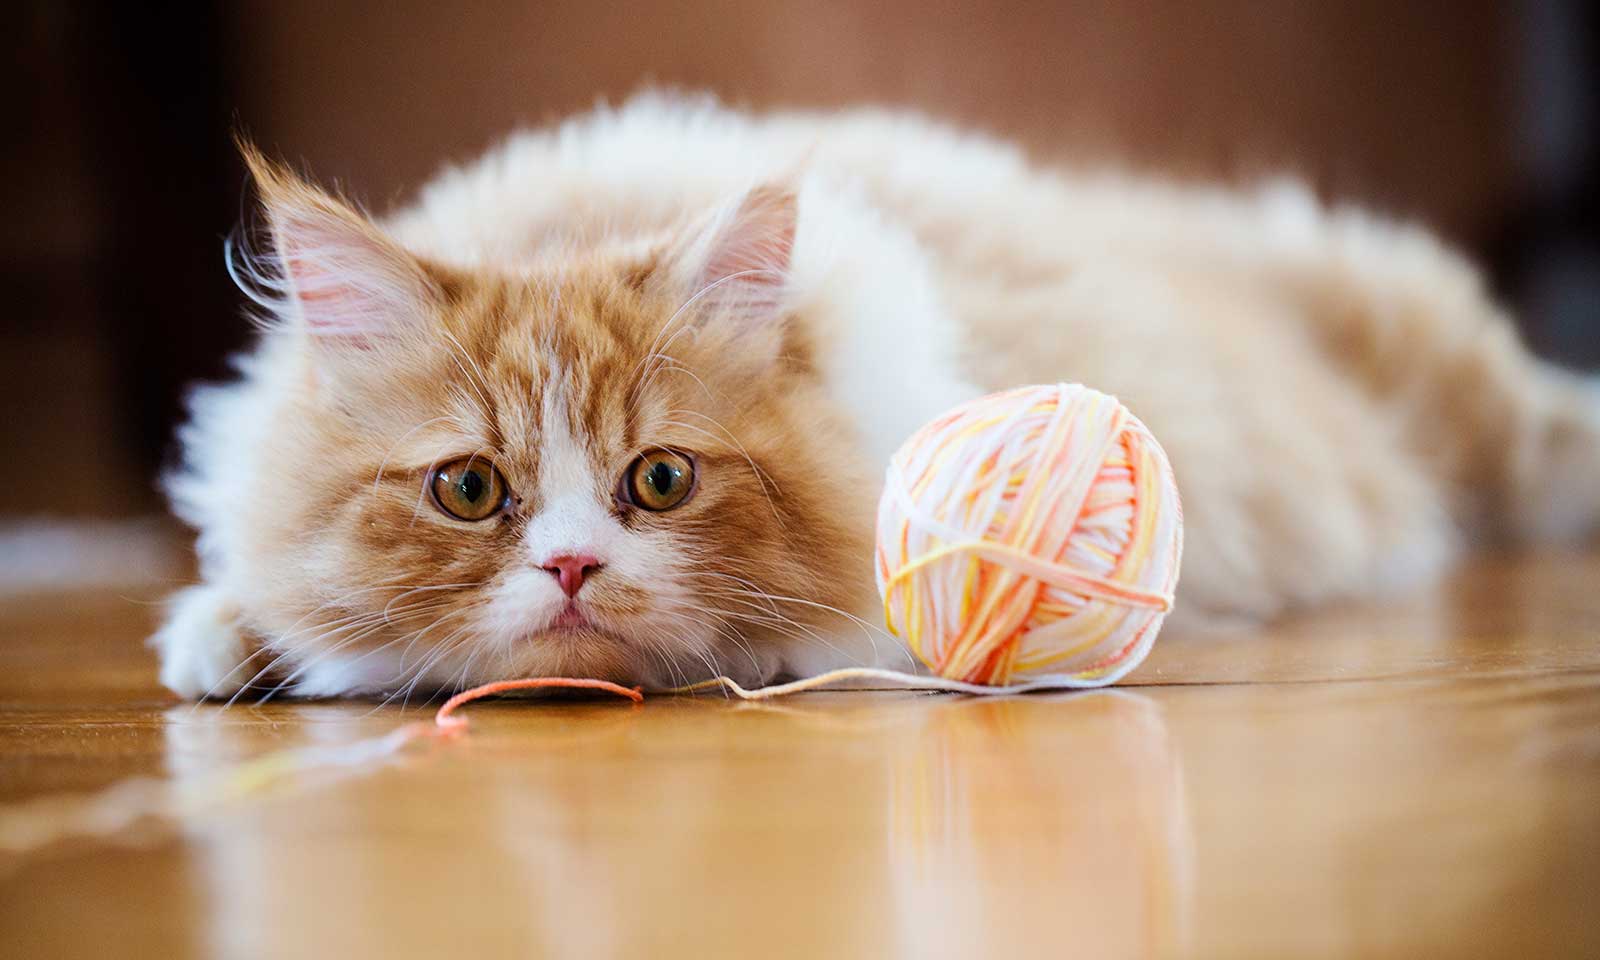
(571, 570)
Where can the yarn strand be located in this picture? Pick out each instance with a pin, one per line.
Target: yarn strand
(898, 680)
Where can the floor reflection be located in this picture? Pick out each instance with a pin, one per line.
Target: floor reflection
(894, 824)
(1006, 832)
(429, 854)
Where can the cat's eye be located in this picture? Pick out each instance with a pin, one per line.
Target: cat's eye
(659, 480)
(468, 489)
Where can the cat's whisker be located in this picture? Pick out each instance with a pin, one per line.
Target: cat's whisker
(756, 470)
(443, 649)
(461, 681)
(677, 675)
(658, 347)
(297, 630)
(682, 613)
(766, 477)
(870, 630)
(673, 365)
(430, 588)
(751, 596)
(332, 628)
(383, 465)
(342, 598)
(754, 599)
(437, 651)
(412, 639)
(364, 627)
(783, 626)
(436, 654)
(475, 378)
(765, 619)
(274, 661)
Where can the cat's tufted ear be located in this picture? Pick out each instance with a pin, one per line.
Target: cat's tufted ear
(734, 268)
(338, 276)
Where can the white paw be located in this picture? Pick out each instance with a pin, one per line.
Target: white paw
(202, 651)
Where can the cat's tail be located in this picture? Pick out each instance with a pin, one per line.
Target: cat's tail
(1516, 440)
(1555, 471)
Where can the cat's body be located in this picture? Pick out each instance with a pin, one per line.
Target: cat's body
(1340, 401)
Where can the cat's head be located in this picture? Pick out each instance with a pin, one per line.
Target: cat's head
(618, 464)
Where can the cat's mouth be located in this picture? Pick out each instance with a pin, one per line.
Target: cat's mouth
(576, 625)
(572, 618)
(574, 643)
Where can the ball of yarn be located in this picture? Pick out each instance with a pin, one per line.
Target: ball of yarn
(1030, 536)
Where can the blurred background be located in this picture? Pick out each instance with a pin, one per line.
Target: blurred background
(120, 182)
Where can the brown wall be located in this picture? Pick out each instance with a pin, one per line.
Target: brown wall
(120, 191)
(1399, 104)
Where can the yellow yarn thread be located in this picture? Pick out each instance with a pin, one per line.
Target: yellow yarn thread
(1030, 536)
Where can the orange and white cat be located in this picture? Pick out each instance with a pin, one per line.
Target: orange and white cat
(615, 400)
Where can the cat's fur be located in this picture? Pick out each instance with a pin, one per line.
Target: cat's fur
(1342, 404)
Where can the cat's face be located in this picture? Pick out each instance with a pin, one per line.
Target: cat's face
(598, 468)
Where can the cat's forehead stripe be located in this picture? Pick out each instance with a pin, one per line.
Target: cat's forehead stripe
(564, 464)
(562, 366)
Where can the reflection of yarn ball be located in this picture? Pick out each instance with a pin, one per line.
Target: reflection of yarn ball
(1031, 535)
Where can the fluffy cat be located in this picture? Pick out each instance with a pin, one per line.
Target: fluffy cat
(615, 399)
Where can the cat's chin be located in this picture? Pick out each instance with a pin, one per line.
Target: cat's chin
(584, 650)
(571, 633)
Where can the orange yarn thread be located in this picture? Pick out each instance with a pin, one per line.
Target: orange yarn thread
(38, 823)
(445, 719)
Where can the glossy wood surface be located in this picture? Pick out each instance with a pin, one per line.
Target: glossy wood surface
(1416, 780)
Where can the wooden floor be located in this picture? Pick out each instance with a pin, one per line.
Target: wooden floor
(1422, 780)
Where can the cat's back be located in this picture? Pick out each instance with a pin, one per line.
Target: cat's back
(978, 205)
(644, 166)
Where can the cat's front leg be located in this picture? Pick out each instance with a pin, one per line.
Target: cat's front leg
(204, 651)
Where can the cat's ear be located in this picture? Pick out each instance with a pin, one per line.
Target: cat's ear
(338, 276)
(734, 268)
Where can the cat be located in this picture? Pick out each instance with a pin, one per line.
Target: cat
(615, 399)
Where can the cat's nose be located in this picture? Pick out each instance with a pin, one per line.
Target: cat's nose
(570, 571)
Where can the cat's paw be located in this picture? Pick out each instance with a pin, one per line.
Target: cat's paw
(203, 652)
